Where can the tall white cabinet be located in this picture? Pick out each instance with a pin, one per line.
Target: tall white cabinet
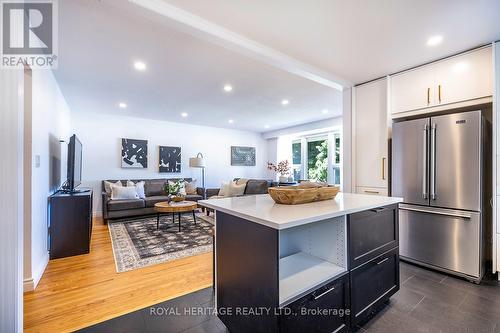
(370, 136)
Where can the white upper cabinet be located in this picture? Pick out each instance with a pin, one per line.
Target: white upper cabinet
(457, 79)
(371, 134)
(413, 90)
(465, 77)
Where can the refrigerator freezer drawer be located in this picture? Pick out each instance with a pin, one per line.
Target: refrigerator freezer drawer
(444, 238)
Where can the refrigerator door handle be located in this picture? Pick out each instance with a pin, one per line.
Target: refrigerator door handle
(433, 162)
(463, 215)
(425, 192)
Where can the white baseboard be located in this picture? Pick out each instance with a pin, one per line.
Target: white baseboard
(31, 283)
(28, 285)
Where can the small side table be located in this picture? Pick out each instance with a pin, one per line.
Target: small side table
(175, 207)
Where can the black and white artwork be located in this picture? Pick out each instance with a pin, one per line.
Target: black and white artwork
(170, 159)
(242, 156)
(134, 153)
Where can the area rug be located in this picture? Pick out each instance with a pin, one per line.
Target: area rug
(137, 243)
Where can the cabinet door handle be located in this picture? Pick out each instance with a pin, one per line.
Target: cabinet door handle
(382, 261)
(428, 96)
(439, 93)
(372, 192)
(383, 168)
(324, 293)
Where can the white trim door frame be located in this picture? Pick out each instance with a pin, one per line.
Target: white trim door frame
(11, 200)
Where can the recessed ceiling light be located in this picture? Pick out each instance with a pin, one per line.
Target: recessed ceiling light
(184, 114)
(324, 111)
(122, 105)
(230, 121)
(285, 102)
(228, 88)
(266, 126)
(140, 65)
(434, 40)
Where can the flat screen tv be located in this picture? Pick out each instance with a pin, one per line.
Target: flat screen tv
(74, 164)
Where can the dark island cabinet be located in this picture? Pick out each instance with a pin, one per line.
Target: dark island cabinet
(325, 310)
(327, 275)
(70, 224)
(372, 284)
(372, 233)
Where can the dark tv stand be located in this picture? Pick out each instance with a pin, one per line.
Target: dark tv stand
(70, 223)
(75, 191)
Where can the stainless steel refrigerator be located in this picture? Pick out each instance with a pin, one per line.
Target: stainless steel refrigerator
(439, 167)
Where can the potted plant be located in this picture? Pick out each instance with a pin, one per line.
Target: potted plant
(172, 189)
(282, 168)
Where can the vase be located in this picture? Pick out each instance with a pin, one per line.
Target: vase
(283, 179)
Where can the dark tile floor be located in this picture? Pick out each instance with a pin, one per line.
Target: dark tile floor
(427, 302)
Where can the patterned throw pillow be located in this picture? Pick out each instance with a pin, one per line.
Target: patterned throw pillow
(190, 187)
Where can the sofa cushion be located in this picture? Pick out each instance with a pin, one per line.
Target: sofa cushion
(150, 201)
(255, 186)
(154, 187)
(114, 205)
(193, 197)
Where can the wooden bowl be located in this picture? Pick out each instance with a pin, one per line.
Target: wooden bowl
(294, 196)
(176, 198)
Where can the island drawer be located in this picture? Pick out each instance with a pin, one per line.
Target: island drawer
(323, 310)
(372, 284)
(371, 233)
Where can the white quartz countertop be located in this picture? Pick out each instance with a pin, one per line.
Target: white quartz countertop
(263, 210)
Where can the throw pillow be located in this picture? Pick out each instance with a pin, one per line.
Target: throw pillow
(231, 189)
(123, 193)
(241, 181)
(224, 189)
(191, 187)
(107, 186)
(236, 190)
(139, 188)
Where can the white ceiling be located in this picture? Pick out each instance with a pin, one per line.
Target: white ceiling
(99, 41)
(351, 41)
(357, 40)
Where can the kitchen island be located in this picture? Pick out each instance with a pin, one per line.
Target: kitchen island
(319, 267)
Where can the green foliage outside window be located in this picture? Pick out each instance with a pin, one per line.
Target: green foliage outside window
(317, 163)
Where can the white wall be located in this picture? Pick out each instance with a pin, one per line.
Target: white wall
(11, 198)
(50, 122)
(101, 136)
(346, 153)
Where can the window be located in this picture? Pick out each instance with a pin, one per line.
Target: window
(296, 160)
(336, 160)
(312, 159)
(317, 160)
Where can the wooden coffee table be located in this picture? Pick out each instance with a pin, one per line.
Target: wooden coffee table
(175, 207)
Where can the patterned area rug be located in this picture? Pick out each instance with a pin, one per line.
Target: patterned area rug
(137, 243)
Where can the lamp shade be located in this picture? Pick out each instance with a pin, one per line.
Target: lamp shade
(197, 162)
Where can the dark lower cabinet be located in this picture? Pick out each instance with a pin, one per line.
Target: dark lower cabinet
(324, 310)
(372, 284)
(372, 233)
(70, 224)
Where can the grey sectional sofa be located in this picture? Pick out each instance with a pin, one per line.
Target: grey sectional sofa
(153, 188)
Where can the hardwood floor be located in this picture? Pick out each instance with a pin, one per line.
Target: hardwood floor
(80, 291)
